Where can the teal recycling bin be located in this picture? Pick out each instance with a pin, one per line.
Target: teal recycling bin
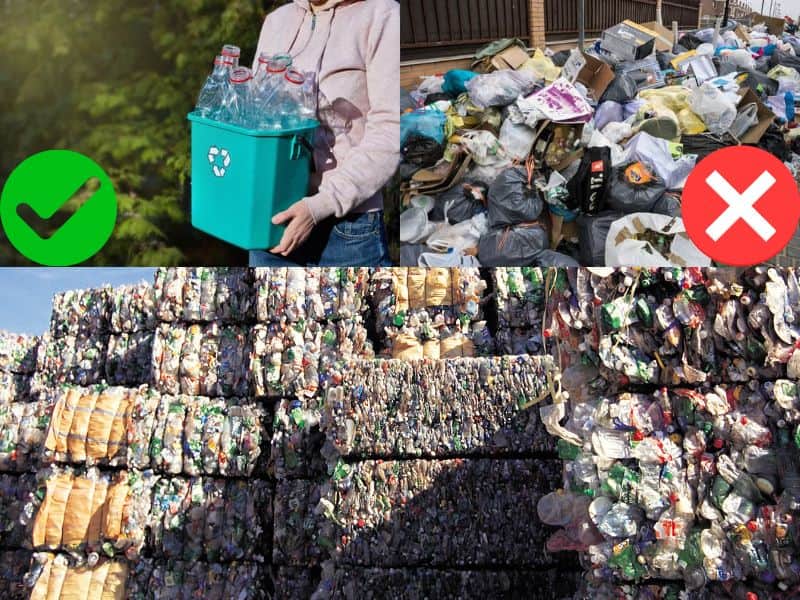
(242, 177)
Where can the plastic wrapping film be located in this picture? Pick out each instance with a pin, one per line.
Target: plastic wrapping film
(164, 580)
(440, 512)
(314, 294)
(18, 352)
(204, 294)
(78, 359)
(19, 501)
(129, 358)
(57, 576)
(138, 428)
(23, 426)
(77, 312)
(438, 408)
(430, 313)
(135, 513)
(352, 583)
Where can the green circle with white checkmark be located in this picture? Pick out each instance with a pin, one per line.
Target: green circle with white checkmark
(58, 208)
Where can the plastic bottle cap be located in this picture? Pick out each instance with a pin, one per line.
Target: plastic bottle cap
(295, 77)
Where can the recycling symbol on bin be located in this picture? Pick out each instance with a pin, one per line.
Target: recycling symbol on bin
(220, 160)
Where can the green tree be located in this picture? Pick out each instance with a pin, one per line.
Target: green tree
(115, 80)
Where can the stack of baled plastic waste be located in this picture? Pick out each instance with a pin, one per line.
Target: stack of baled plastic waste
(431, 312)
(677, 419)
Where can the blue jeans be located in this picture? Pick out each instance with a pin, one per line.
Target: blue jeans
(357, 240)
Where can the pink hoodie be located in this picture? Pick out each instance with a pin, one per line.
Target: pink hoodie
(354, 45)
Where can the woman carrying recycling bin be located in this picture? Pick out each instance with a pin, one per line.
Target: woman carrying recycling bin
(353, 46)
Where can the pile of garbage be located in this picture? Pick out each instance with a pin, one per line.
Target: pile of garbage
(568, 158)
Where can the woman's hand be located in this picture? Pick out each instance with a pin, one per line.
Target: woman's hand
(300, 225)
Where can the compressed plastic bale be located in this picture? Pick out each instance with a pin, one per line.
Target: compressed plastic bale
(18, 352)
(51, 583)
(212, 416)
(132, 309)
(241, 439)
(519, 294)
(114, 586)
(13, 566)
(315, 310)
(215, 519)
(419, 582)
(76, 583)
(128, 358)
(168, 288)
(99, 441)
(14, 386)
(342, 342)
(416, 281)
(301, 537)
(143, 421)
(77, 312)
(166, 444)
(294, 583)
(395, 513)
(232, 377)
(248, 519)
(190, 365)
(452, 411)
(23, 428)
(167, 346)
(169, 507)
(16, 508)
(296, 440)
(94, 529)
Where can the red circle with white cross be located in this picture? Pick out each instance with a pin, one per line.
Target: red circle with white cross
(741, 206)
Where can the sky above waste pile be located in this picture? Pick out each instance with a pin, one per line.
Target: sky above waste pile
(787, 7)
(26, 294)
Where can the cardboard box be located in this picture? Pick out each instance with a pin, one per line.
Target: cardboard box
(596, 76)
(664, 39)
(629, 41)
(510, 58)
(765, 117)
(774, 25)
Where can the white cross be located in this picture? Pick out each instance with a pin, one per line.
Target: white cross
(740, 206)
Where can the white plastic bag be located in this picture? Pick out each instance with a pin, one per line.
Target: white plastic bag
(500, 88)
(414, 224)
(655, 153)
(517, 140)
(461, 236)
(623, 249)
(485, 149)
(716, 110)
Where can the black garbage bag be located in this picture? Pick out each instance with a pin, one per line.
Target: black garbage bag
(592, 234)
(422, 151)
(634, 188)
(518, 246)
(513, 199)
(706, 143)
(784, 59)
(690, 41)
(760, 83)
(669, 204)
(410, 253)
(774, 143)
(588, 189)
(560, 58)
(551, 258)
(623, 89)
(762, 64)
(461, 202)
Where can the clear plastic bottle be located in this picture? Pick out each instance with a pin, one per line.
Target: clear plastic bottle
(308, 109)
(238, 106)
(233, 53)
(210, 101)
(292, 99)
(267, 89)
